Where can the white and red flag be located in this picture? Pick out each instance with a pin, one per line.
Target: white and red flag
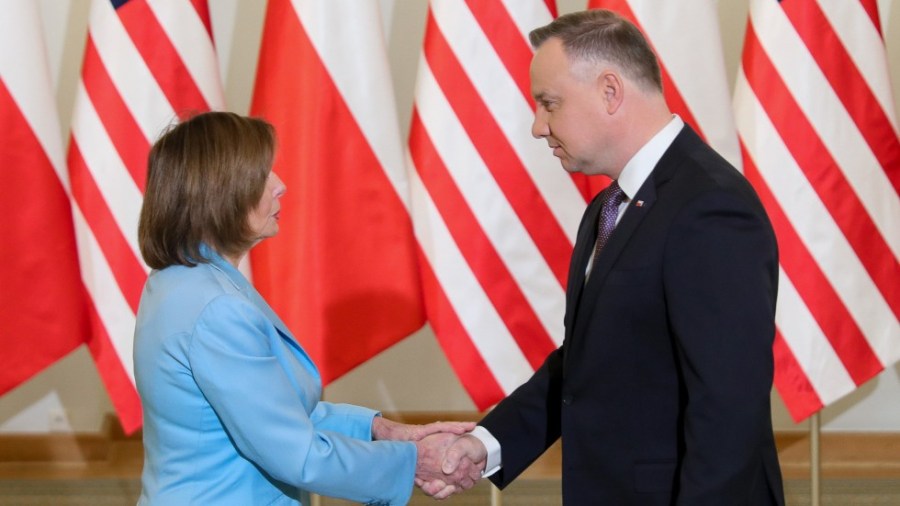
(494, 213)
(146, 64)
(820, 144)
(342, 271)
(685, 37)
(42, 298)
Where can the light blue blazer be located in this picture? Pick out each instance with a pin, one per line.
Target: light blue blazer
(232, 410)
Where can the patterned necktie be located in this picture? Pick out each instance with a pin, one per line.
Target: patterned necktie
(613, 196)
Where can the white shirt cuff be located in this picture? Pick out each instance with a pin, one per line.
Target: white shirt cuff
(494, 461)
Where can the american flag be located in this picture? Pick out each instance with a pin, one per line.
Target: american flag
(494, 214)
(342, 271)
(41, 294)
(146, 63)
(820, 144)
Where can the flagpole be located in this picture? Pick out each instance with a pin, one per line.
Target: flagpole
(496, 496)
(815, 467)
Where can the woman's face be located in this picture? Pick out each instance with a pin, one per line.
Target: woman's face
(263, 219)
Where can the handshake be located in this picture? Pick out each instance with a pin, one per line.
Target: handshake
(449, 459)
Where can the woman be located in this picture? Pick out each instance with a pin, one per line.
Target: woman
(231, 401)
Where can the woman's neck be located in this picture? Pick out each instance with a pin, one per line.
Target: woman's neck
(235, 260)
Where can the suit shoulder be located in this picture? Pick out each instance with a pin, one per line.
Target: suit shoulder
(698, 169)
(181, 293)
(201, 280)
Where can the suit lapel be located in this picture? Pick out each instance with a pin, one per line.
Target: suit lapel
(638, 208)
(584, 244)
(630, 221)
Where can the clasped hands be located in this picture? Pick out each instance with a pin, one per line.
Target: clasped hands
(449, 460)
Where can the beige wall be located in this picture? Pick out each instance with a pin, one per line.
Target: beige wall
(413, 375)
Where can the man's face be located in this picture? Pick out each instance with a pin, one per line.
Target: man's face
(571, 113)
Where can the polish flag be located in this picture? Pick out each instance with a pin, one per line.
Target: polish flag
(342, 272)
(42, 298)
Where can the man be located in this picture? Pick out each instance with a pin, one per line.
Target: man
(660, 391)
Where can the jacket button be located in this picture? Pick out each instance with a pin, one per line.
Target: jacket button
(567, 400)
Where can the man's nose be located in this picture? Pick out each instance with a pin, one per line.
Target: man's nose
(539, 128)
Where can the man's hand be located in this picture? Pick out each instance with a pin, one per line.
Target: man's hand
(448, 464)
(464, 451)
(384, 429)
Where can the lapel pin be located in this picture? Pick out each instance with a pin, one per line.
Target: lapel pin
(639, 203)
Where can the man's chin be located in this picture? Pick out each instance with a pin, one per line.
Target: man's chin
(568, 166)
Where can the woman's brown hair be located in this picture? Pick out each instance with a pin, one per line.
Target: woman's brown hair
(204, 176)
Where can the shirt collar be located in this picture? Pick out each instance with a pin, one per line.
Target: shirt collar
(638, 169)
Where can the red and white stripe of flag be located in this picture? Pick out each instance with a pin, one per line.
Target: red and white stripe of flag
(342, 271)
(146, 63)
(820, 144)
(685, 37)
(495, 215)
(41, 294)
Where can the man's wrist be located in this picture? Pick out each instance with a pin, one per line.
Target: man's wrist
(494, 461)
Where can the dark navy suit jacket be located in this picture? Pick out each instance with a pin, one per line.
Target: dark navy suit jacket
(661, 388)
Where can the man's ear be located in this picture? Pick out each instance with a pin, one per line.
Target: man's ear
(612, 89)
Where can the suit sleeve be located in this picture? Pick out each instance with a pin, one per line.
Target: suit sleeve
(347, 419)
(527, 422)
(720, 276)
(234, 366)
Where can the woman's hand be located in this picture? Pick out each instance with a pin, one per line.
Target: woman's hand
(384, 429)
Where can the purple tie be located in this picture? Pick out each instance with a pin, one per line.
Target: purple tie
(612, 197)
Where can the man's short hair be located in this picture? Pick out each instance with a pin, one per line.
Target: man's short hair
(601, 35)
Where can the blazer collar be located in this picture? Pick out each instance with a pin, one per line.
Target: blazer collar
(247, 290)
(244, 287)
